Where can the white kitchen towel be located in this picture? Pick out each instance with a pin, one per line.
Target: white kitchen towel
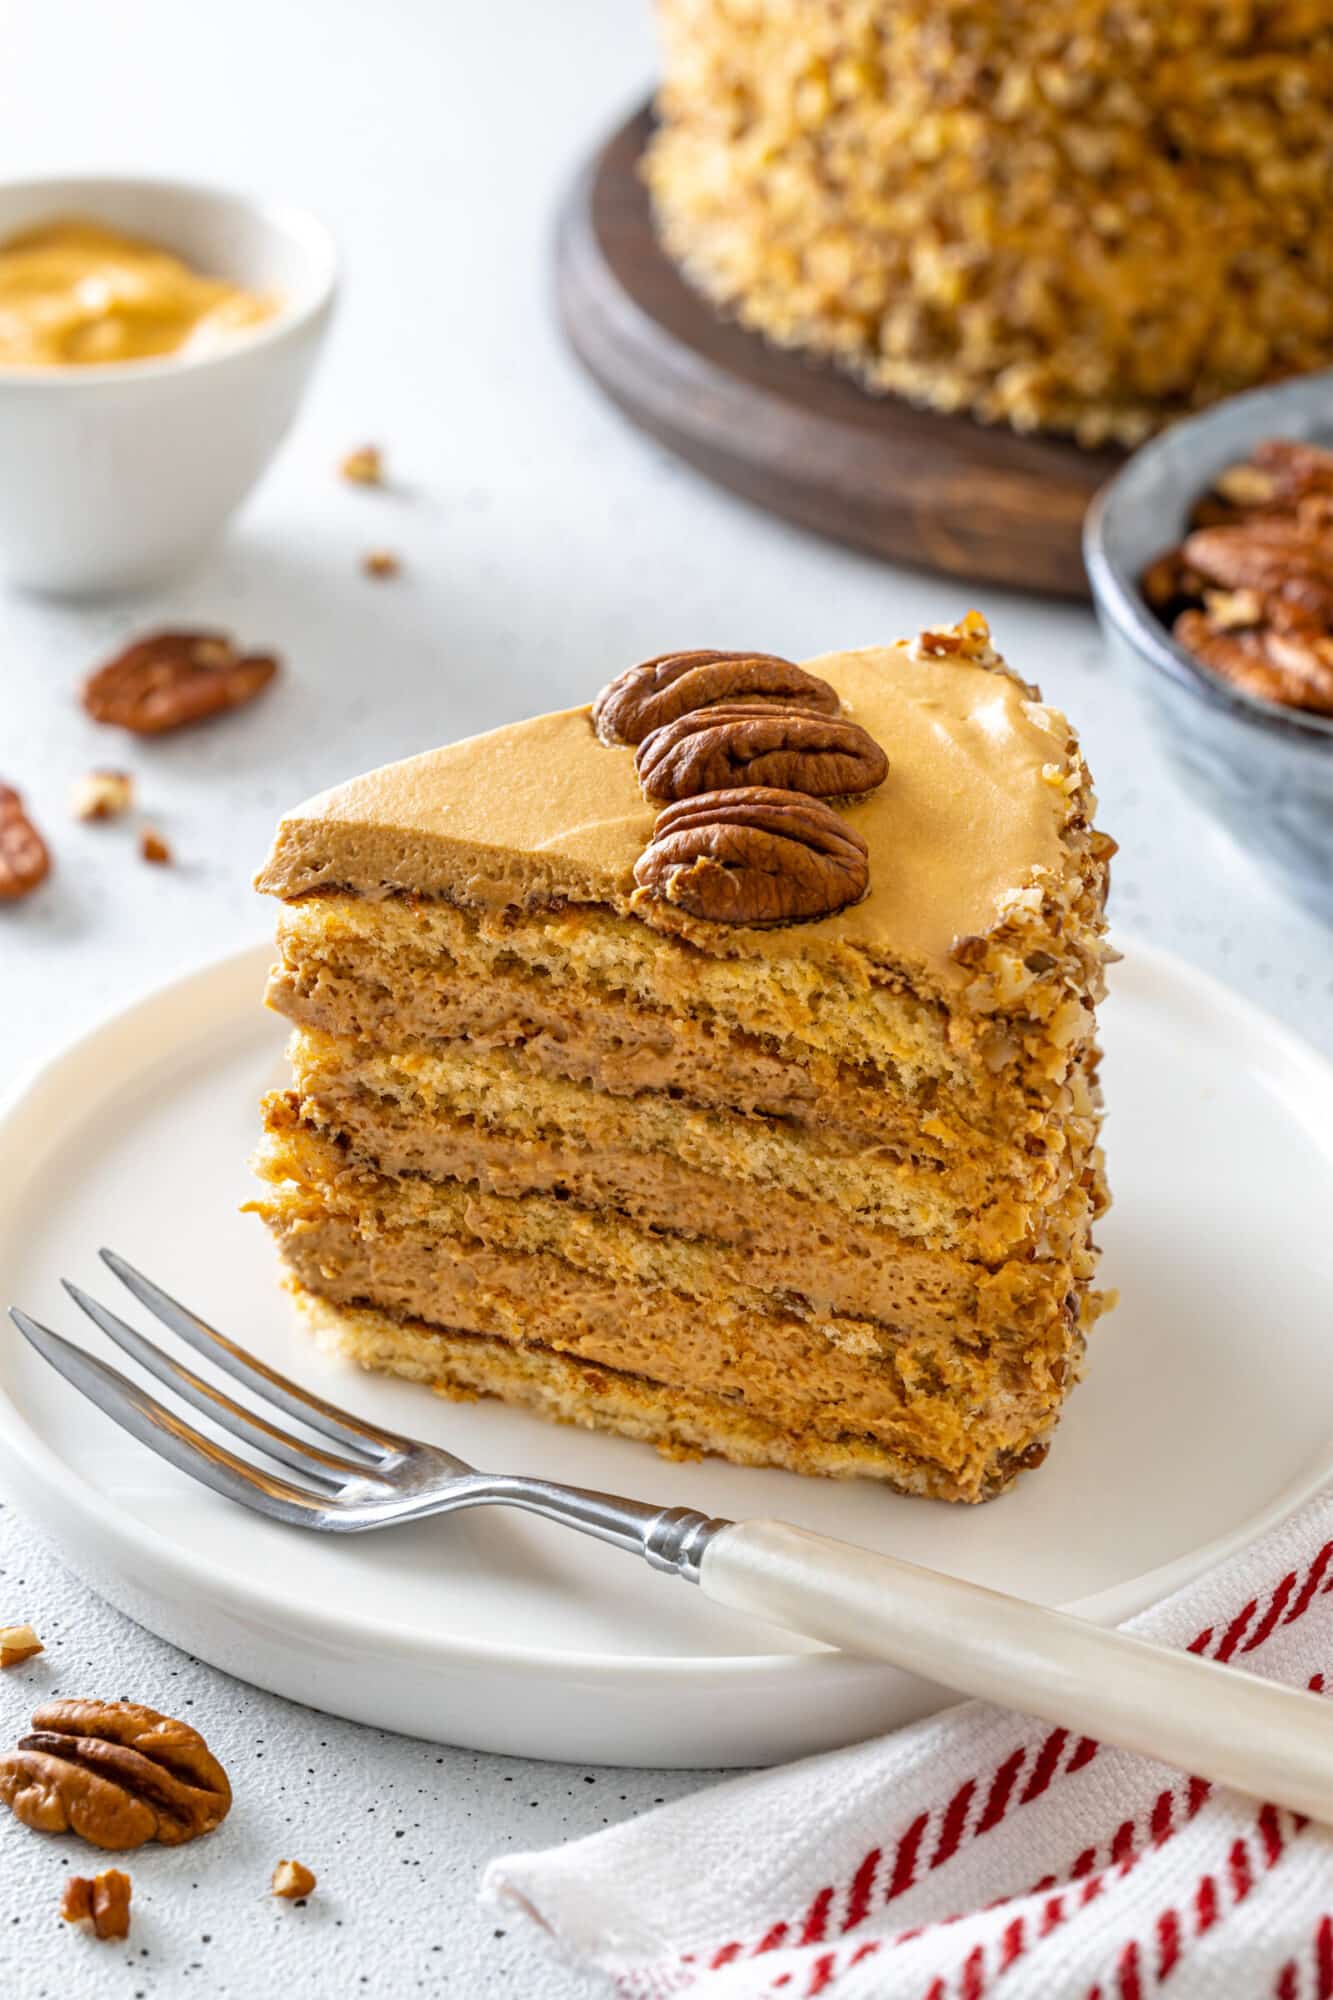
(979, 1853)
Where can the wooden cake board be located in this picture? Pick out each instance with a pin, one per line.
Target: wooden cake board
(796, 436)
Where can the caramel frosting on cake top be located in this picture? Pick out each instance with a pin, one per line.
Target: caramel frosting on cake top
(973, 811)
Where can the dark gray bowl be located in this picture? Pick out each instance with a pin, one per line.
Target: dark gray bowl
(1265, 772)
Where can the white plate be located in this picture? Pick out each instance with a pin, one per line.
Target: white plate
(1206, 1412)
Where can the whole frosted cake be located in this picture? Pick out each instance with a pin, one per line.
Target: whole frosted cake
(716, 1065)
(1059, 213)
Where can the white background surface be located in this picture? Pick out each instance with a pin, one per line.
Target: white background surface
(545, 547)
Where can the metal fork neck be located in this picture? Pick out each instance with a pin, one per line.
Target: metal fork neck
(671, 1539)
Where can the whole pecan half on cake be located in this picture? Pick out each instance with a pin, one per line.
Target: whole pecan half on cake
(115, 1773)
(748, 743)
(645, 697)
(173, 678)
(758, 855)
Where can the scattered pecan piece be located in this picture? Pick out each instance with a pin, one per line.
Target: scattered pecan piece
(102, 795)
(104, 1900)
(364, 466)
(24, 859)
(115, 1773)
(758, 855)
(646, 697)
(744, 743)
(153, 848)
(292, 1879)
(381, 564)
(17, 1644)
(170, 679)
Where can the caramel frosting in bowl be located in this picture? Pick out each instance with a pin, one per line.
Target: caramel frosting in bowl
(973, 811)
(76, 294)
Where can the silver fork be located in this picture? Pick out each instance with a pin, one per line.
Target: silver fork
(1217, 1722)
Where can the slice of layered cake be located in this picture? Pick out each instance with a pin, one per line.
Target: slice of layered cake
(716, 1065)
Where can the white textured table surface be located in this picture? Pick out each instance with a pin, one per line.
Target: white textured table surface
(545, 546)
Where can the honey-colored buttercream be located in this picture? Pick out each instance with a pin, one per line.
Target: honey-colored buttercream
(75, 294)
(971, 812)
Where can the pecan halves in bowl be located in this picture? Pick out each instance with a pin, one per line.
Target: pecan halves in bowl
(24, 858)
(645, 697)
(752, 743)
(170, 679)
(754, 856)
(1270, 554)
(116, 1774)
(1287, 664)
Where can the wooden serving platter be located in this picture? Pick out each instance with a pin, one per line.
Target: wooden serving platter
(795, 436)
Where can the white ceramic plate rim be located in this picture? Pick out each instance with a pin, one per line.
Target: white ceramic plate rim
(59, 1486)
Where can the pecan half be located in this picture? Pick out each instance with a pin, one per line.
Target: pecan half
(754, 856)
(103, 1900)
(115, 1773)
(1293, 666)
(170, 679)
(24, 860)
(645, 697)
(1279, 477)
(1271, 554)
(739, 743)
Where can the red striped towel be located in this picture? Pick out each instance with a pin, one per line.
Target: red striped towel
(978, 1853)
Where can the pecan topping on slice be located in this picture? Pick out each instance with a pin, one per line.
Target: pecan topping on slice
(759, 743)
(24, 860)
(754, 856)
(103, 1900)
(115, 1773)
(645, 697)
(170, 679)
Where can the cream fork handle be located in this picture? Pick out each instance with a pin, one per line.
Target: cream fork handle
(1216, 1722)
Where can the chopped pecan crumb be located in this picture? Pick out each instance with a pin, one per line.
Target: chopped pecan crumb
(18, 1643)
(746, 743)
(153, 848)
(102, 795)
(292, 1879)
(758, 855)
(114, 1773)
(171, 679)
(25, 861)
(658, 691)
(104, 1900)
(381, 563)
(364, 466)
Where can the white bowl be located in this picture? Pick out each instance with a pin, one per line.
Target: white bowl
(112, 477)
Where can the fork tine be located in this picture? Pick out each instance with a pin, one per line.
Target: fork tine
(215, 1403)
(327, 1418)
(170, 1437)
